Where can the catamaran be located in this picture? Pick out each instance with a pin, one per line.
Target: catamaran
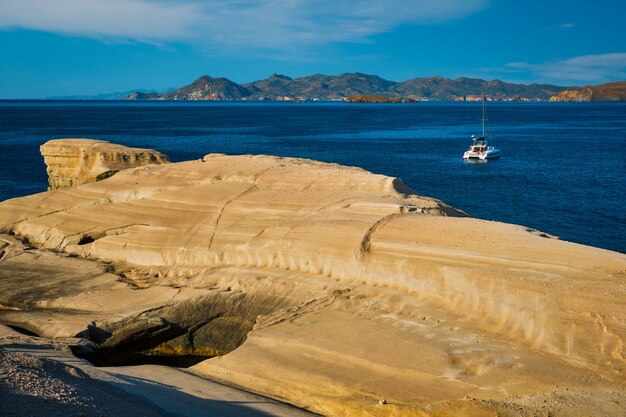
(480, 149)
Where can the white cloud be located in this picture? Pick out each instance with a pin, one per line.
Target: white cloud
(260, 23)
(567, 25)
(580, 69)
(123, 19)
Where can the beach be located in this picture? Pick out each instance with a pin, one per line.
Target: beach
(42, 378)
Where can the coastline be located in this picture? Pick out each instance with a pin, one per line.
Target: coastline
(419, 143)
(325, 286)
(299, 208)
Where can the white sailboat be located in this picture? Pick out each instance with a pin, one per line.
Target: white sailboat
(480, 149)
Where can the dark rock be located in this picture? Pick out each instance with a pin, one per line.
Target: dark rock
(204, 326)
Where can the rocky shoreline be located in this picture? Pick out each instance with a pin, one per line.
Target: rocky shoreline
(609, 92)
(327, 287)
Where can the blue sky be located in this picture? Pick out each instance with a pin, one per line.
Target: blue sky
(66, 47)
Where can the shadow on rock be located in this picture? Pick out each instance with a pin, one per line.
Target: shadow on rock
(192, 330)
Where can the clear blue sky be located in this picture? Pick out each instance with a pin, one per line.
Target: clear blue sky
(64, 47)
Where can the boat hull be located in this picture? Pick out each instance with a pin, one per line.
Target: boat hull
(491, 154)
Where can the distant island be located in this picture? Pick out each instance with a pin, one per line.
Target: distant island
(357, 87)
(321, 87)
(604, 92)
(117, 95)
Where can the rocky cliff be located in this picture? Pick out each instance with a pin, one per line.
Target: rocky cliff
(72, 162)
(328, 286)
(604, 92)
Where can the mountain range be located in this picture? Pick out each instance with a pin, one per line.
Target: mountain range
(340, 87)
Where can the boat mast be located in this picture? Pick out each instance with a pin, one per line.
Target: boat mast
(483, 115)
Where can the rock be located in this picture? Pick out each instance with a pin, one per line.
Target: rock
(218, 323)
(131, 335)
(72, 162)
(604, 92)
(337, 287)
(577, 95)
(202, 326)
(82, 347)
(376, 99)
(141, 334)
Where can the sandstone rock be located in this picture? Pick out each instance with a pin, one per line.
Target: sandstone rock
(72, 162)
(355, 288)
(141, 334)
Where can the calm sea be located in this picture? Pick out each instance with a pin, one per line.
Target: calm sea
(563, 168)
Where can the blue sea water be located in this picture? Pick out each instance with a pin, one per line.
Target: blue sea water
(563, 169)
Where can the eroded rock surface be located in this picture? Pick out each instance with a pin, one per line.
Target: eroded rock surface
(356, 289)
(72, 162)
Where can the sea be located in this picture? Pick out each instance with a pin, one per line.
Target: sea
(562, 170)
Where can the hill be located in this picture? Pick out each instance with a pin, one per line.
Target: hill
(615, 91)
(340, 87)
